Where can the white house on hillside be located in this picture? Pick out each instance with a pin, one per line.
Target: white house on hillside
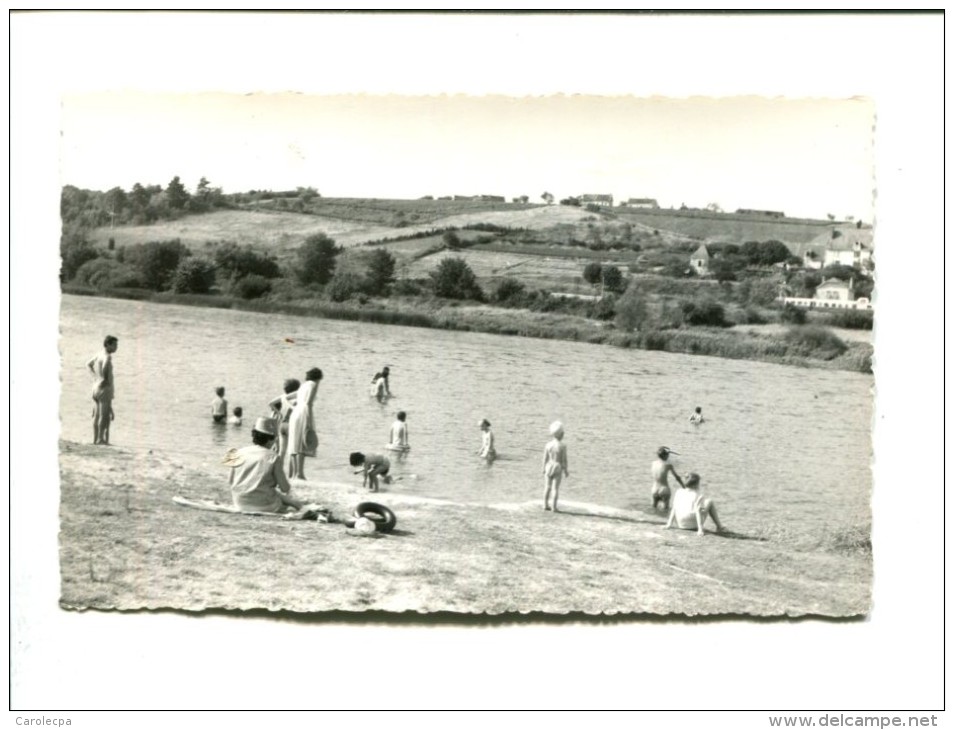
(831, 294)
(596, 199)
(845, 245)
(699, 261)
(836, 290)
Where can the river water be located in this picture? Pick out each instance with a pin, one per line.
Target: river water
(779, 443)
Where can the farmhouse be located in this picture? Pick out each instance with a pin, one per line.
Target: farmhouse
(699, 261)
(846, 245)
(600, 199)
(831, 294)
(640, 203)
(836, 290)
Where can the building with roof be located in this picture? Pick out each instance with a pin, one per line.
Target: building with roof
(847, 246)
(596, 199)
(699, 261)
(831, 294)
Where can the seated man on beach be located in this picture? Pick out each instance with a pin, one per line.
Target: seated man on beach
(690, 509)
(257, 481)
(372, 466)
(661, 471)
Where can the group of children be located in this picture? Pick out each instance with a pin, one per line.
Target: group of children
(220, 408)
(688, 508)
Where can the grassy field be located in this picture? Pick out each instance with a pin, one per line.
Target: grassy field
(281, 231)
(725, 228)
(125, 544)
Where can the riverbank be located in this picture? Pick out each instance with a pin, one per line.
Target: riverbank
(125, 544)
(730, 343)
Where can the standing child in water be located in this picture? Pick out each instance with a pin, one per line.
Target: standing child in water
(487, 450)
(554, 465)
(236, 419)
(380, 385)
(661, 470)
(220, 406)
(398, 438)
(696, 418)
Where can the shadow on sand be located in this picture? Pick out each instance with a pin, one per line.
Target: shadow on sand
(728, 534)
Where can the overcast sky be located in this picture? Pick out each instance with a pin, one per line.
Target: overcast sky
(805, 157)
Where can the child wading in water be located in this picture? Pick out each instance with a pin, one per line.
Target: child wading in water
(554, 465)
(236, 419)
(397, 439)
(220, 406)
(373, 466)
(690, 509)
(696, 418)
(487, 450)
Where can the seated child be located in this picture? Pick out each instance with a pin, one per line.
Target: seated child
(690, 509)
(372, 466)
(236, 419)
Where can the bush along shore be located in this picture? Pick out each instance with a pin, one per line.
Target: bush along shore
(802, 345)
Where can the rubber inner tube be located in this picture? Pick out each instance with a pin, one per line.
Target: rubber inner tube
(382, 517)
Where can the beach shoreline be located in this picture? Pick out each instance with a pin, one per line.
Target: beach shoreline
(734, 343)
(125, 545)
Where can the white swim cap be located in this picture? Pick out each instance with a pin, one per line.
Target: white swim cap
(556, 427)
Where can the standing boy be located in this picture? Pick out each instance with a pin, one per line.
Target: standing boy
(661, 471)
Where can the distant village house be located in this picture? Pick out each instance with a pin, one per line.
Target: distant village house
(831, 294)
(601, 199)
(847, 246)
(640, 203)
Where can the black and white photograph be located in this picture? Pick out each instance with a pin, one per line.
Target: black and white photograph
(547, 349)
(477, 354)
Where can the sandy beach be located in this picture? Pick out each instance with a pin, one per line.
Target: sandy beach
(124, 544)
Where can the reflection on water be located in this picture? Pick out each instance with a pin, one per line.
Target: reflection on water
(778, 442)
